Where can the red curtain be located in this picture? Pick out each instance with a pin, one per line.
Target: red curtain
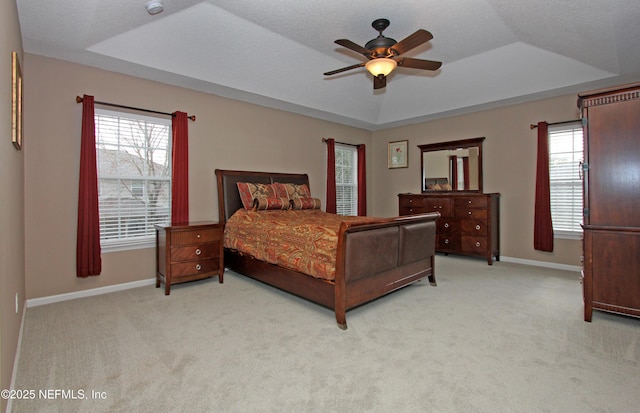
(543, 228)
(180, 169)
(362, 181)
(331, 176)
(88, 259)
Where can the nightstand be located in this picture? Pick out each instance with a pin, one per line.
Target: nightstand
(188, 252)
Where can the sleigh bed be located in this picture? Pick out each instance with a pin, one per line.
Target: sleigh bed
(373, 256)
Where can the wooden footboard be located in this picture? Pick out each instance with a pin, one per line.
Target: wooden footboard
(376, 259)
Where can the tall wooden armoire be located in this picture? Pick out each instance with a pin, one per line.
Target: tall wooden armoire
(611, 276)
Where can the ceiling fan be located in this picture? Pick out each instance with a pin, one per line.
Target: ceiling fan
(384, 54)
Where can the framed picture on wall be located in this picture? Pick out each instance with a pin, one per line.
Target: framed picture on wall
(16, 101)
(398, 154)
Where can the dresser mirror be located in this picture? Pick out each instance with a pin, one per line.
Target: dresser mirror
(452, 166)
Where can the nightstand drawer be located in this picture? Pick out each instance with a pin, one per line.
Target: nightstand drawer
(195, 236)
(184, 269)
(195, 252)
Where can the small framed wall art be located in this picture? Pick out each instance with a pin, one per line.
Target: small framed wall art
(397, 154)
(16, 101)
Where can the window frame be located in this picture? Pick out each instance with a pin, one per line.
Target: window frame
(146, 240)
(567, 176)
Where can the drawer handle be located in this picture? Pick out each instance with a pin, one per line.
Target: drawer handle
(410, 209)
(446, 225)
(198, 252)
(446, 241)
(478, 227)
(477, 243)
(469, 202)
(411, 201)
(198, 236)
(198, 267)
(469, 212)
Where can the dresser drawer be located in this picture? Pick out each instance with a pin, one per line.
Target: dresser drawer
(471, 202)
(195, 236)
(185, 269)
(410, 210)
(473, 227)
(411, 201)
(195, 252)
(441, 205)
(471, 213)
(446, 242)
(447, 225)
(474, 244)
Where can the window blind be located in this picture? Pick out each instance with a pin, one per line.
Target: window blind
(134, 176)
(565, 157)
(346, 180)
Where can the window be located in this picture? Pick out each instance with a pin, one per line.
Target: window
(134, 177)
(565, 159)
(346, 180)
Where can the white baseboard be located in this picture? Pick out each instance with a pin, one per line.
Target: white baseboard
(34, 302)
(545, 264)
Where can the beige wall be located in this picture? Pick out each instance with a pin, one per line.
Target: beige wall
(12, 279)
(509, 164)
(226, 135)
(236, 135)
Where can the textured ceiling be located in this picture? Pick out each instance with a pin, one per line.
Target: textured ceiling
(274, 53)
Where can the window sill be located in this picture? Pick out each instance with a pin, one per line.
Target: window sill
(567, 235)
(126, 245)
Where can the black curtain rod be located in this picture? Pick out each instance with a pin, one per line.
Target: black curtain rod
(79, 100)
(342, 143)
(532, 126)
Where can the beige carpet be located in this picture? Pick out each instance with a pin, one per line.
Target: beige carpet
(506, 338)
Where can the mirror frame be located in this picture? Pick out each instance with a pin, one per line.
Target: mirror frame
(452, 145)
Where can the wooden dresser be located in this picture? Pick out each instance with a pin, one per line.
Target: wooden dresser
(611, 276)
(188, 252)
(469, 222)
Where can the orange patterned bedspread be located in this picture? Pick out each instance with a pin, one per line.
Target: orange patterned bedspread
(305, 241)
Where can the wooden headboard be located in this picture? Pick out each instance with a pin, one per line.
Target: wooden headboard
(228, 196)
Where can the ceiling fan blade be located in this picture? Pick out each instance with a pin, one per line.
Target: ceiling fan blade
(379, 82)
(419, 63)
(413, 40)
(344, 69)
(353, 46)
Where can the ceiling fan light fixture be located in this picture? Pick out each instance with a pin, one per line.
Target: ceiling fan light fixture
(381, 66)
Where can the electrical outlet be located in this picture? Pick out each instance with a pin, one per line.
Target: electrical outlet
(17, 304)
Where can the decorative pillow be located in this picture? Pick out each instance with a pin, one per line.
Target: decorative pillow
(249, 191)
(263, 203)
(292, 191)
(305, 203)
(280, 190)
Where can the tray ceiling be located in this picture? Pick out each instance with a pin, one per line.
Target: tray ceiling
(494, 52)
